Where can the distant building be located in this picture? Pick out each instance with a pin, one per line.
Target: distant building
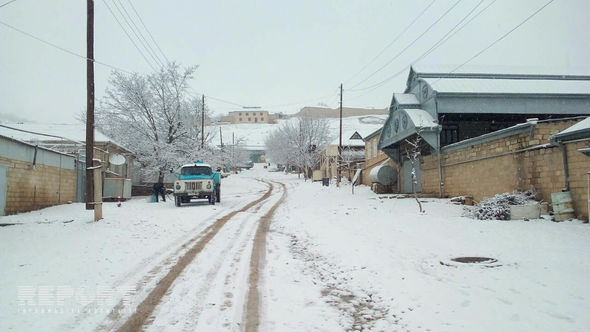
(324, 112)
(250, 116)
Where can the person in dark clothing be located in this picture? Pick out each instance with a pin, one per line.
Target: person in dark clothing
(159, 189)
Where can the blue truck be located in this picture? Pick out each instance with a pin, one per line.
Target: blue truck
(197, 181)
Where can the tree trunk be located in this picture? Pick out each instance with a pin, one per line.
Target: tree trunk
(161, 177)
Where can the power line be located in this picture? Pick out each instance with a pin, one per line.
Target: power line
(147, 30)
(7, 3)
(392, 42)
(128, 36)
(135, 30)
(61, 48)
(436, 45)
(499, 39)
(409, 45)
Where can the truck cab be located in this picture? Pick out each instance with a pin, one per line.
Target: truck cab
(197, 181)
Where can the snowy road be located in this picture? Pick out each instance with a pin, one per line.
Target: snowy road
(300, 258)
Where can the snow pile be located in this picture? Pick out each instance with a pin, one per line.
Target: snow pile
(498, 207)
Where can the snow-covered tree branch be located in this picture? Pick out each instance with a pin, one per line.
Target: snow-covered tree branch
(299, 143)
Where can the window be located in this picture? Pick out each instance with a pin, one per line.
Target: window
(246, 113)
(196, 170)
(240, 113)
(260, 113)
(249, 120)
(255, 119)
(449, 135)
(240, 119)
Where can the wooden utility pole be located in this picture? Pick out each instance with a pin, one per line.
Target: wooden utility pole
(203, 124)
(220, 137)
(89, 104)
(340, 142)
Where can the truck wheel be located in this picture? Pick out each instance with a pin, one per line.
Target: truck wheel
(176, 200)
(218, 193)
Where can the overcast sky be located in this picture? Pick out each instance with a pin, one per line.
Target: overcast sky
(269, 53)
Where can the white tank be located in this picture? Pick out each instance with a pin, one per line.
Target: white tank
(384, 174)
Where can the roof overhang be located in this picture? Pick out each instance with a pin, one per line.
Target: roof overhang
(580, 130)
(404, 123)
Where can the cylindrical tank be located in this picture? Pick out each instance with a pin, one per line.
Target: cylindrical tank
(563, 207)
(384, 174)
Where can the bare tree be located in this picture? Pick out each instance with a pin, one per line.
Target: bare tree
(154, 116)
(299, 143)
(413, 152)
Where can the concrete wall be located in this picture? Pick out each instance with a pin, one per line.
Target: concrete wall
(50, 182)
(516, 162)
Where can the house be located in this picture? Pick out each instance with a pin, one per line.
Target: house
(484, 134)
(34, 177)
(353, 157)
(373, 156)
(118, 162)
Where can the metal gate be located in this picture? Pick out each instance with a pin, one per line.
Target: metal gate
(80, 181)
(408, 183)
(3, 185)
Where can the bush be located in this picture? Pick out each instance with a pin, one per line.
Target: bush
(498, 207)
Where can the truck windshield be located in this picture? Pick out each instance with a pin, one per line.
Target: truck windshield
(196, 170)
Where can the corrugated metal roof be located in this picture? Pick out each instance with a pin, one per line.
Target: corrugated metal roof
(509, 86)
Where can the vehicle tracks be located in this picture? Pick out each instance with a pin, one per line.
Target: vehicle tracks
(143, 315)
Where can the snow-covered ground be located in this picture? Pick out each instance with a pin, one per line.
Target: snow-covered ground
(334, 261)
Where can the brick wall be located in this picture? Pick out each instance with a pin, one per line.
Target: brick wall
(35, 188)
(517, 162)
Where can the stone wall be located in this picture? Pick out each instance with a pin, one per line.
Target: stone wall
(516, 162)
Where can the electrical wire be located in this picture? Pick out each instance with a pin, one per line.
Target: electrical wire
(499, 39)
(147, 30)
(135, 30)
(392, 42)
(436, 45)
(408, 46)
(129, 36)
(7, 3)
(61, 48)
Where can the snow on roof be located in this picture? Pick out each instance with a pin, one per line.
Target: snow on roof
(196, 164)
(406, 99)
(499, 85)
(72, 131)
(579, 128)
(421, 119)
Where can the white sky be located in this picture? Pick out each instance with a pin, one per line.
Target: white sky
(266, 53)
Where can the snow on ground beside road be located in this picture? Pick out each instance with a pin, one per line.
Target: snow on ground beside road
(375, 262)
(61, 247)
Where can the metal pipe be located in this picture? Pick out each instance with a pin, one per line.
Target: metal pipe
(565, 166)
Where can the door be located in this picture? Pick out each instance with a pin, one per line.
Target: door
(408, 183)
(3, 185)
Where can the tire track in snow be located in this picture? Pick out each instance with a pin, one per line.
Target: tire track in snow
(145, 309)
(252, 312)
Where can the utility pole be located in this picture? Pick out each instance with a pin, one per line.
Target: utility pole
(220, 137)
(203, 124)
(340, 142)
(89, 104)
